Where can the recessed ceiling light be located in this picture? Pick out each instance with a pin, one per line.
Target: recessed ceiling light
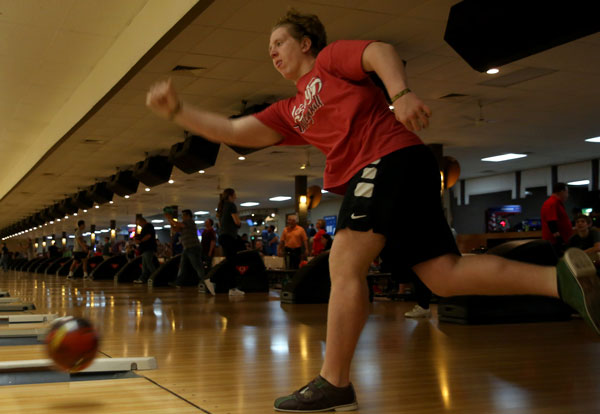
(504, 157)
(73, 214)
(171, 181)
(241, 158)
(85, 211)
(147, 189)
(249, 204)
(492, 71)
(595, 139)
(272, 214)
(96, 206)
(111, 202)
(280, 198)
(126, 196)
(580, 182)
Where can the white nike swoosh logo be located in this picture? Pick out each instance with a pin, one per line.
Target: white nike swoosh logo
(353, 217)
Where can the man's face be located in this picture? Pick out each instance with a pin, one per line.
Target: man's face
(286, 53)
(581, 224)
(186, 216)
(291, 221)
(564, 195)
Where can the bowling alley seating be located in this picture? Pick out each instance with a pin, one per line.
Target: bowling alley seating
(132, 270)
(107, 269)
(249, 264)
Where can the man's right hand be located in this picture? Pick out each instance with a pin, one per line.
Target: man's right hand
(163, 100)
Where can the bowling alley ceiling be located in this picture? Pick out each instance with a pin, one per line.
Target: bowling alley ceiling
(74, 75)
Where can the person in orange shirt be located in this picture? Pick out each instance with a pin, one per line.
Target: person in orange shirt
(292, 240)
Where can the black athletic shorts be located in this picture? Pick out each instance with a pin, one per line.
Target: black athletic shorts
(399, 196)
(79, 256)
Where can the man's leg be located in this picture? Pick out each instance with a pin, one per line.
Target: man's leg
(85, 268)
(183, 267)
(452, 275)
(351, 255)
(74, 265)
(574, 280)
(147, 266)
(349, 261)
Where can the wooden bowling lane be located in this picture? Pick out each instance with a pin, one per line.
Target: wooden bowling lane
(22, 352)
(237, 356)
(125, 396)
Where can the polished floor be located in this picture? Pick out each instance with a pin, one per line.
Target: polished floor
(220, 355)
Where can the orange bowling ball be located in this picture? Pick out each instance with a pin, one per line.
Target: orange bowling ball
(72, 343)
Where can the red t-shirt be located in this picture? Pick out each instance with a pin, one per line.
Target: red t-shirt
(339, 110)
(318, 244)
(554, 210)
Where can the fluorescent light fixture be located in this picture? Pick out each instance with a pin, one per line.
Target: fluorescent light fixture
(492, 71)
(158, 228)
(249, 204)
(280, 198)
(168, 226)
(241, 158)
(324, 191)
(504, 157)
(49, 237)
(199, 221)
(71, 236)
(157, 221)
(131, 225)
(595, 139)
(580, 182)
(201, 213)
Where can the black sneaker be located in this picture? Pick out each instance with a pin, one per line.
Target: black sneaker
(318, 396)
(579, 286)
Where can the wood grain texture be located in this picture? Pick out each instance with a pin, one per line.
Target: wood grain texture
(237, 355)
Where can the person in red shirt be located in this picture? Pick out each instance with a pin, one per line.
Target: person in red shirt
(556, 225)
(384, 172)
(318, 241)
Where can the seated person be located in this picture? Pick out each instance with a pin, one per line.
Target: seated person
(585, 238)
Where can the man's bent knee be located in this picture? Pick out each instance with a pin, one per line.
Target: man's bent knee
(437, 273)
